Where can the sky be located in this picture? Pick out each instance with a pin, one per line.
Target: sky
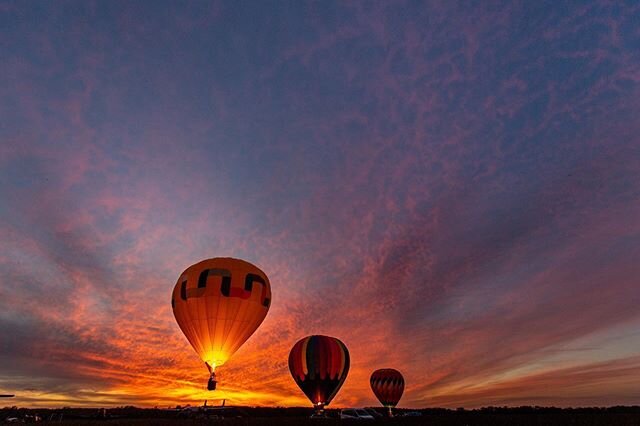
(450, 188)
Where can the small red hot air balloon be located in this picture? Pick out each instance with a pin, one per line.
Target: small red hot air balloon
(319, 365)
(387, 384)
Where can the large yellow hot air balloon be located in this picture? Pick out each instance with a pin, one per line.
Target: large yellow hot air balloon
(218, 303)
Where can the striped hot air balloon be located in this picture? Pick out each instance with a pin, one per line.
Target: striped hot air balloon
(387, 384)
(319, 365)
(218, 304)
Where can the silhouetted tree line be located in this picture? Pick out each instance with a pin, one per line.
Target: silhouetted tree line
(487, 416)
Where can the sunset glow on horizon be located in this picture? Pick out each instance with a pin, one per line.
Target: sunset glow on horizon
(452, 191)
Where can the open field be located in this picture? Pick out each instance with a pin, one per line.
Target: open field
(525, 416)
(498, 420)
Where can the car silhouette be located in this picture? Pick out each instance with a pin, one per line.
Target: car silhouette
(355, 413)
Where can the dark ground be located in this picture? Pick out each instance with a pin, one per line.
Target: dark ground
(246, 416)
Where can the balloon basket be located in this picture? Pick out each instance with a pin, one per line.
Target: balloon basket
(319, 412)
(212, 383)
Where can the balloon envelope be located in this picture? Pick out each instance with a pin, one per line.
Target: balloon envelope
(387, 384)
(218, 303)
(319, 365)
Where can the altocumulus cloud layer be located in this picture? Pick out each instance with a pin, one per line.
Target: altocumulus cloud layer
(453, 190)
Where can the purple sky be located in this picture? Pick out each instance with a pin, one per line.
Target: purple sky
(452, 189)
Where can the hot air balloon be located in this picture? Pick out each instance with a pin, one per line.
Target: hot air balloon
(218, 304)
(319, 365)
(387, 384)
